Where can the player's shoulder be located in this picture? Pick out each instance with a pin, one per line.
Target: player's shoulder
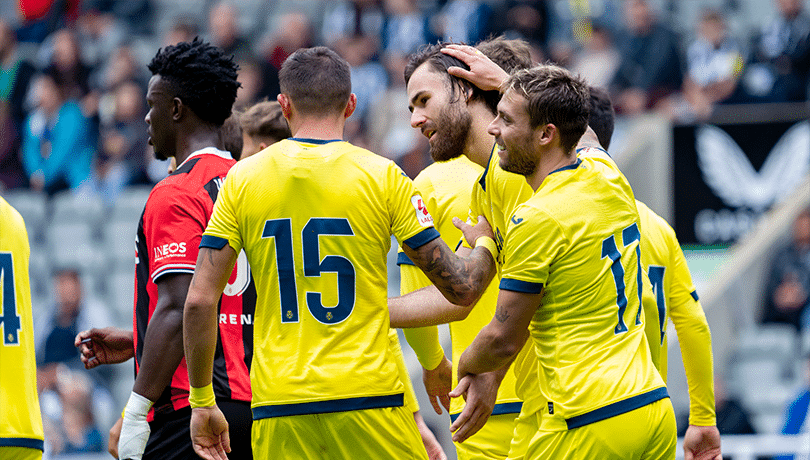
(653, 221)
(10, 215)
(459, 171)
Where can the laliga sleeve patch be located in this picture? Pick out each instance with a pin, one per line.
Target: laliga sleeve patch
(422, 214)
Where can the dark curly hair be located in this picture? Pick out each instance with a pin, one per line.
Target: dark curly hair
(203, 77)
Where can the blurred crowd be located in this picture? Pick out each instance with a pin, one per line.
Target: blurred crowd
(73, 74)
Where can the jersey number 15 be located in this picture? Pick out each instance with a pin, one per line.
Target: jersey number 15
(281, 231)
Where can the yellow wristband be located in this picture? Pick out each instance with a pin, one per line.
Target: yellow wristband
(202, 397)
(489, 244)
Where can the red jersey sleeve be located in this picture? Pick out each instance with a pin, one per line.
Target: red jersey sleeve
(173, 224)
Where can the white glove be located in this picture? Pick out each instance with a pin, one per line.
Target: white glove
(135, 429)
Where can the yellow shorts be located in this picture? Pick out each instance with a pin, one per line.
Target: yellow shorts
(491, 441)
(646, 433)
(20, 453)
(526, 426)
(372, 434)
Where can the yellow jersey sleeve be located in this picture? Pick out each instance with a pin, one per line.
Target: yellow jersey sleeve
(224, 221)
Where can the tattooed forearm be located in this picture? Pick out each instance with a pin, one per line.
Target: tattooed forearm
(502, 314)
(461, 280)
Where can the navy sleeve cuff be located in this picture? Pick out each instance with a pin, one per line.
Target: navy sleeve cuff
(422, 238)
(213, 242)
(521, 286)
(403, 259)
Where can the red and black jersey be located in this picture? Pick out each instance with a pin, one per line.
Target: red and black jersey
(172, 223)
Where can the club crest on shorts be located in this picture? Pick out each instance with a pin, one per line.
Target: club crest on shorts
(422, 214)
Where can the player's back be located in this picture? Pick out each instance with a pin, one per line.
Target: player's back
(21, 422)
(584, 255)
(315, 219)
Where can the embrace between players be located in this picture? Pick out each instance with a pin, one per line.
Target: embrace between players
(293, 242)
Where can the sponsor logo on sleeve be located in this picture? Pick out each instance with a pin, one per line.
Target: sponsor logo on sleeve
(422, 214)
(170, 250)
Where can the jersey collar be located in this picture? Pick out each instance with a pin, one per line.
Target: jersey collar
(208, 150)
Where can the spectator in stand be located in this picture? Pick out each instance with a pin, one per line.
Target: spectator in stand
(651, 64)
(598, 60)
(293, 31)
(787, 294)
(464, 21)
(224, 29)
(407, 28)
(57, 145)
(714, 63)
(71, 313)
(796, 413)
(781, 56)
(526, 19)
(65, 63)
(15, 77)
(67, 399)
(184, 29)
(263, 125)
(251, 75)
(352, 17)
(122, 144)
(369, 81)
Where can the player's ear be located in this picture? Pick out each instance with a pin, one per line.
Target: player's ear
(177, 109)
(350, 106)
(546, 133)
(262, 146)
(286, 105)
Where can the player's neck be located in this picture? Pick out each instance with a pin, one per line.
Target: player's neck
(317, 128)
(549, 162)
(479, 142)
(201, 138)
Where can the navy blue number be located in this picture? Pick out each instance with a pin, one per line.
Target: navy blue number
(631, 235)
(281, 231)
(10, 319)
(609, 250)
(656, 274)
(314, 266)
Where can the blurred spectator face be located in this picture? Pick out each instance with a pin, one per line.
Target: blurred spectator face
(638, 14)
(251, 77)
(68, 289)
(47, 94)
(400, 7)
(182, 31)
(6, 39)
(712, 28)
(65, 49)
(801, 229)
(222, 23)
(296, 31)
(790, 8)
(122, 67)
(128, 102)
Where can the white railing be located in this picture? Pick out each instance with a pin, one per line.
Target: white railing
(749, 447)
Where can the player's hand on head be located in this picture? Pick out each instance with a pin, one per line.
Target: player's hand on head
(209, 433)
(109, 345)
(437, 384)
(483, 73)
(480, 392)
(702, 443)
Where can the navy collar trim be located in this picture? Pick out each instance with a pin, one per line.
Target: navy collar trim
(314, 141)
(571, 166)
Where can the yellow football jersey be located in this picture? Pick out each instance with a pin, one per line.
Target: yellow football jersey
(315, 219)
(446, 188)
(676, 298)
(21, 422)
(577, 241)
(495, 196)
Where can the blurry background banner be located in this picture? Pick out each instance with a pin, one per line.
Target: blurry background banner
(727, 174)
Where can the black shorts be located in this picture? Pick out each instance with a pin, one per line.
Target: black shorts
(171, 435)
